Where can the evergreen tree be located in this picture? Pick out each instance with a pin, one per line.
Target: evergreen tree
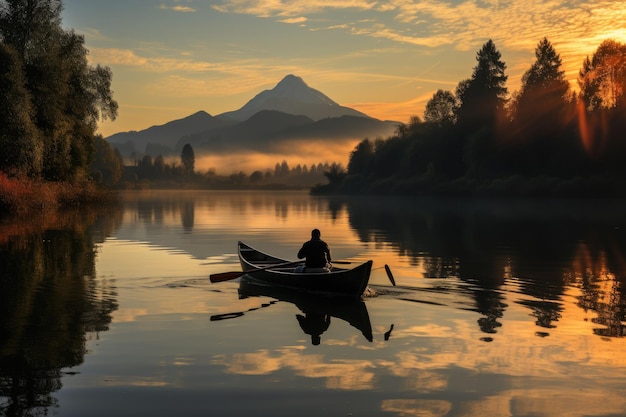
(539, 114)
(544, 93)
(188, 159)
(483, 97)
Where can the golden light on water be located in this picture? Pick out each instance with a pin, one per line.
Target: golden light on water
(429, 351)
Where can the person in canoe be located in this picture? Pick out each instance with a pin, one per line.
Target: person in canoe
(317, 254)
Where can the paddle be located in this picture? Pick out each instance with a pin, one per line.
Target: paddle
(227, 276)
(390, 275)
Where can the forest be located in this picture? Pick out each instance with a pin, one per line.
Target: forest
(544, 140)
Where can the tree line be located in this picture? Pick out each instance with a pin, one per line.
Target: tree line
(542, 140)
(159, 172)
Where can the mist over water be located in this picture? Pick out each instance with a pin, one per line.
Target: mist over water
(299, 152)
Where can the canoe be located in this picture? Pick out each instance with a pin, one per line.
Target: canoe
(350, 282)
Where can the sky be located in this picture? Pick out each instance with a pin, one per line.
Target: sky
(386, 58)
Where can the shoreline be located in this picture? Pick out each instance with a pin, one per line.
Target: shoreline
(24, 196)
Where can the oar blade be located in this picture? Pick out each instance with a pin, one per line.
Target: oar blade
(390, 275)
(225, 276)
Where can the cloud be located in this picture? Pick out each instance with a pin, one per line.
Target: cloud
(295, 20)
(281, 8)
(114, 56)
(465, 25)
(182, 68)
(181, 9)
(339, 374)
(128, 57)
(388, 33)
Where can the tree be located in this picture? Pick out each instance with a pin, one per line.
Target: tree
(544, 87)
(335, 173)
(108, 163)
(483, 97)
(281, 170)
(603, 78)
(256, 177)
(589, 86)
(68, 96)
(188, 159)
(361, 158)
(145, 167)
(22, 152)
(544, 94)
(441, 108)
(159, 168)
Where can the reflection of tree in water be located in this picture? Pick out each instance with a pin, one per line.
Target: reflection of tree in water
(601, 276)
(612, 312)
(546, 312)
(187, 215)
(49, 300)
(481, 242)
(489, 300)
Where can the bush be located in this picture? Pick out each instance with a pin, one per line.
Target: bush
(19, 195)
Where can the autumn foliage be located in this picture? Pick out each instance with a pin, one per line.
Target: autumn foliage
(21, 195)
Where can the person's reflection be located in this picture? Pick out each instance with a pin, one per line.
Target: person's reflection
(314, 324)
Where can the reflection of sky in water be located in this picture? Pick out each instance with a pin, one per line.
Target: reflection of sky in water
(163, 354)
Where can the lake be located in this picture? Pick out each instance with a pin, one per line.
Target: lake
(501, 308)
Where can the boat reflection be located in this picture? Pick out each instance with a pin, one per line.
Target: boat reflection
(316, 310)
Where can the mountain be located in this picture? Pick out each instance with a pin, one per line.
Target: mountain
(290, 111)
(270, 130)
(165, 136)
(258, 129)
(292, 96)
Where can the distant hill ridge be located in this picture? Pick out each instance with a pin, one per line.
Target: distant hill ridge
(291, 110)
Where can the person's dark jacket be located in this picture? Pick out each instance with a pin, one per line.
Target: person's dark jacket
(316, 252)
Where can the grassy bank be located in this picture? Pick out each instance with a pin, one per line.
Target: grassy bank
(22, 195)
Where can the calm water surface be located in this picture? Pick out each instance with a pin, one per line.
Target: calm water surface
(500, 309)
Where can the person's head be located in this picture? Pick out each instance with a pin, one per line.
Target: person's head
(315, 234)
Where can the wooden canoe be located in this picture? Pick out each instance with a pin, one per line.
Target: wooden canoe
(258, 266)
